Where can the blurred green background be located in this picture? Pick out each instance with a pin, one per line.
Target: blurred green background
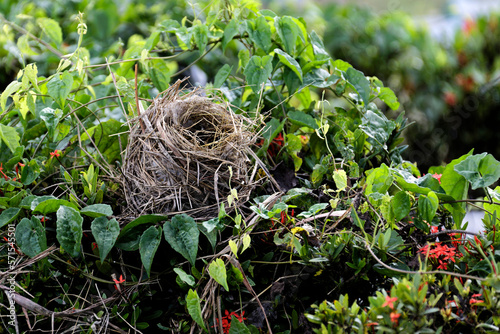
(441, 57)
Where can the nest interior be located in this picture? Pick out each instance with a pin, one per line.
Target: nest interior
(185, 153)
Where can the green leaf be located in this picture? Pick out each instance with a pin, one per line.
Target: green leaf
(217, 270)
(270, 131)
(359, 82)
(230, 31)
(144, 219)
(105, 136)
(427, 206)
(9, 215)
(52, 29)
(183, 235)
(301, 119)
(105, 233)
(24, 46)
(194, 308)
(341, 65)
(148, 245)
(152, 40)
(160, 74)
(51, 118)
(457, 187)
(293, 147)
(183, 38)
(170, 25)
(378, 180)
(257, 71)
(377, 127)
(260, 33)
(59, 87)
(9, 90)
(356, 220)
(200, 34)
(340, 179)
(291, 63)
(319, 78)
(313, 210)
(481, 170)
(10, 137)
(51, 205)
(388, 96)
(288, 31)
(30, 236)
(243, 58)
(222, 75)
(238, 327)
(186, 278)
(494, 207)
(400, 205)
(69, 230)
(210, 229)
(97, 210)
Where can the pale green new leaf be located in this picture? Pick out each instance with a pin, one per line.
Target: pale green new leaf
(217, 270)
(9, 90)
(10, 137)
(340, 179)
(194, 308)
(185, 277)
(52, 29)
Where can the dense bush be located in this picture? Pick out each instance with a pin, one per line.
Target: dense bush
(449, 89)
(340, 234)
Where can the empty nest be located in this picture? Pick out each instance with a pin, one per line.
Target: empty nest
(185, 153)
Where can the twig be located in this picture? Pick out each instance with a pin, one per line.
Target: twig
(137, 102)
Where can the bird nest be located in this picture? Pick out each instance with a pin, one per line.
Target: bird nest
(186, 153)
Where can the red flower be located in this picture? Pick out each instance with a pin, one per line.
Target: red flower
(55, 153)
(468, 25)
(434, 229)
(442, 265)
(1, 172)
(118, 282)
(389, 301)
(437, 176)
(450, 98)
(473, 300)
(226, 320)
(395, 316)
